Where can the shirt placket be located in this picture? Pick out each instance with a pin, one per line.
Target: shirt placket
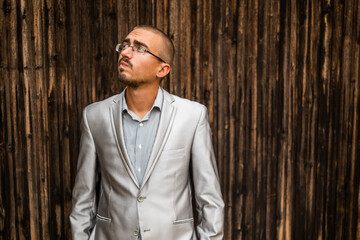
(139, 151)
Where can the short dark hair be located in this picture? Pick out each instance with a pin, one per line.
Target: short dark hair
(169, 53)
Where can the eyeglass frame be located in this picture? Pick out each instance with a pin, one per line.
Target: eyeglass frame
(119, 49)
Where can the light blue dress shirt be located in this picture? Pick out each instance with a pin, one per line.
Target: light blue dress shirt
(139, 134)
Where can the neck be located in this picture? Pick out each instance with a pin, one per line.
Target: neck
(140, 100)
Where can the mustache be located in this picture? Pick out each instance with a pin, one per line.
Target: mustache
(126, 61)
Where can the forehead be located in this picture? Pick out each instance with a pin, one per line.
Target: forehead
(147, 37)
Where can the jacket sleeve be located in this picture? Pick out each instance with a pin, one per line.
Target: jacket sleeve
(83, 212)
(209, 202)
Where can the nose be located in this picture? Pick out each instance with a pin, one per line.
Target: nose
(127, 52)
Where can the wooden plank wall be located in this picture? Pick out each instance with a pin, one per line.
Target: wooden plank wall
(280, 79)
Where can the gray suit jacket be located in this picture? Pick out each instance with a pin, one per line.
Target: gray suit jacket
(161, 208)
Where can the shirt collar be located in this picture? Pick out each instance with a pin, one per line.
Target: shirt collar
(157, 103)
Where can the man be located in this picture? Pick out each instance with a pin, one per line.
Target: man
(149, 148)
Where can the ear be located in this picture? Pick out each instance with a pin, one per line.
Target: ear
(164, 70)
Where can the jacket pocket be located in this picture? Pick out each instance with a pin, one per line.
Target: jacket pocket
(184, 221)
(101, 218)
(173, 153)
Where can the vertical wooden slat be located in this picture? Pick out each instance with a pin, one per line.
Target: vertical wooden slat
(239, 227)
(217, 90)
(283, 231)
(55, 213)
(340, 169)
(250, 175)
(161, 15)
(30, 118)
(316, 160)
(274, 116)
(41, 124)
(4, 173)
(59, 92)
(263, 106)
(354, 135)
(96, 50)
(298, 67)
(228, 104)
(334, 109)
(3, 72)
(305, 175)
(3, 165)
(325, 85)
(208, 72)
(83, 88)
(345, 130)
(145, 12)
(291, 109)
(16, 157)
(175, 33)
(109, 59)
(72, 95)
(122, 19)
(196, 38)
(354, 221)
(133, 14)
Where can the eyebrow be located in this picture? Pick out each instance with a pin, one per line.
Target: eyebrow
(127, 40)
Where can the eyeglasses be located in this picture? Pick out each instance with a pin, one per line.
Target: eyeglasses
(139, 49)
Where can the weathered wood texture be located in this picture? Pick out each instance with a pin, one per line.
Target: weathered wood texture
(280, 79)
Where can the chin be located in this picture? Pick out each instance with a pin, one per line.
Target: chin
(130, 82)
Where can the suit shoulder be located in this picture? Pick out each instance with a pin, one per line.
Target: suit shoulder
(95, 107)
(189, 105)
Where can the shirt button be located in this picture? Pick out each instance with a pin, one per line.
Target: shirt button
(136, 232)
(140, 146)
(141, 199)
(139, 169)
(141, 124)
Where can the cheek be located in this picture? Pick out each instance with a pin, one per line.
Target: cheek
(147, 69)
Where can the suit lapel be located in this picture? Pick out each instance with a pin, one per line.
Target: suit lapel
(165, 124)
(117, 126)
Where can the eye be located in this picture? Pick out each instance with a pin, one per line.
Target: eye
(141, 49)
(124, 46)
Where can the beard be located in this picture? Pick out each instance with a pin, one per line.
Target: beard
(130, 83)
